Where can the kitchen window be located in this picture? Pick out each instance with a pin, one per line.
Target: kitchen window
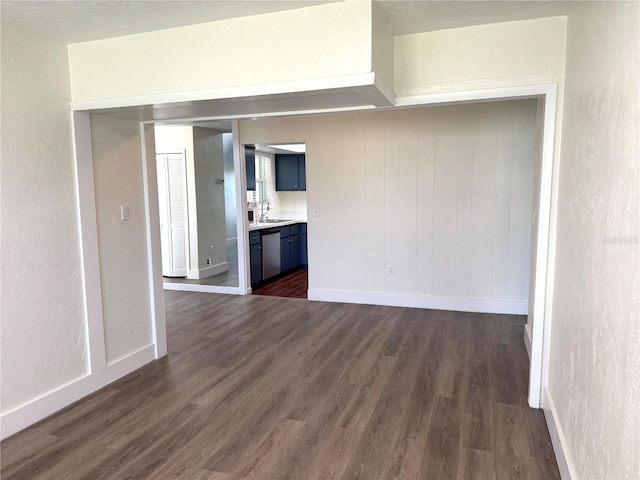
(264, 177)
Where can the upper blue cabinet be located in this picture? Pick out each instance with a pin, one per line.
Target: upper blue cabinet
(250, 159)
(291, 172)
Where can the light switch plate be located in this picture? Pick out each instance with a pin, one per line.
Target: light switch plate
(124, 212)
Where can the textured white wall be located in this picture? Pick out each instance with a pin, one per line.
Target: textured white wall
(479, 57)
(306, 43)
(42, 312)
(594, 380)
(443, 194)
(117, 169)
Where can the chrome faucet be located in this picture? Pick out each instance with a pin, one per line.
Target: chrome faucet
(263, 214)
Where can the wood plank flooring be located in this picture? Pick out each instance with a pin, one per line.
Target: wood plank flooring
(276, 388)
(291, 285)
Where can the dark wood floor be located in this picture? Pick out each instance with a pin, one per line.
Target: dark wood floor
(291, 285)
(273, 388)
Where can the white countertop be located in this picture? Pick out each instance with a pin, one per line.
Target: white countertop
(283, 223)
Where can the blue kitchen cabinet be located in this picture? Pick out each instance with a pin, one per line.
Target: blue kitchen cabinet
(255, 257)
(289, 247)
(291, 172)
(250, 159)
(304, 257)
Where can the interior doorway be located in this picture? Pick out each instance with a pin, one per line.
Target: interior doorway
(277, 218)
(196, 195)
(538, 322)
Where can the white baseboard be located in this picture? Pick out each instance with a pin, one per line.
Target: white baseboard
(563, 457)
(194, 287)
(34, 411)
(476, 305)
(210, 271)
(527, 339)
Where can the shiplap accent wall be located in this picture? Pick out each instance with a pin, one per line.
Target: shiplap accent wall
(443, 194)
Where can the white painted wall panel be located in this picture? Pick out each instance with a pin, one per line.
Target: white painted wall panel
(482, 200)
(464, 209)
(522, 196)
(210, 205)
(289, 46)
(444, 204)
(408, 207)
(431, 190)
(122, 244)
(424, 220)
(359, 206)
(502, 204)
(374, 180)
(391, 225)
(480, 56)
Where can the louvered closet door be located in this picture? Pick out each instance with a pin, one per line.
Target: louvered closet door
(174, 225)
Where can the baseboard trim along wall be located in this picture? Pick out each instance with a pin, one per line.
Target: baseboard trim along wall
(563, 457)
(208, 271)
(476, 305)
(52, 402)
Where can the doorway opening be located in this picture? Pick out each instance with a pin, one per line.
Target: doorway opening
(197, 204)
(277, 218)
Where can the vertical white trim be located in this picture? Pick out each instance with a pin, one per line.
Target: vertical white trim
(85, 187)
(563, 458)
(527, 340)
(152, 226)
(543, 269)
(240, 168)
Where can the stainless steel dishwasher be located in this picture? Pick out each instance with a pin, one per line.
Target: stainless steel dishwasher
(270, 252)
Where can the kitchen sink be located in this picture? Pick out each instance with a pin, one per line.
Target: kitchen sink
(273, 220)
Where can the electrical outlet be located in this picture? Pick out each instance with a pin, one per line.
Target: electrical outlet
(209, 261)
(391, 270)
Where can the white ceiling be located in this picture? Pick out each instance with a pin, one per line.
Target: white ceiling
(81, 20)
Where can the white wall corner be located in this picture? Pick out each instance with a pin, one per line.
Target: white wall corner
(558, 440)
(214, 270)
(32, 412)
(200, 273)
(527, 339)
(152, 226)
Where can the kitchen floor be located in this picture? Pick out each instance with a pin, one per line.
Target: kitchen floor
(292, 285)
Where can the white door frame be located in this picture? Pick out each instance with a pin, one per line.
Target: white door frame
(187, 229)
(242, 232)
(544, 266)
